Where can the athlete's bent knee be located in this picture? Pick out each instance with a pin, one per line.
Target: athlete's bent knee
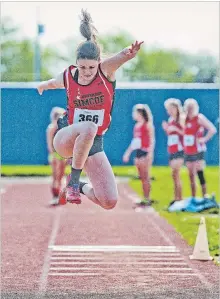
(109, 204)
(89, 130)
(175, 172)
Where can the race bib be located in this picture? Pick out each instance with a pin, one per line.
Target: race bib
(136, 143)
(96, 116)
(189, 140)
(173, 140)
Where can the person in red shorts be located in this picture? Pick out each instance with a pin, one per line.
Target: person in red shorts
(90, 88)
(143, 143)
(58, 163)
(194, 142)
(174, 130)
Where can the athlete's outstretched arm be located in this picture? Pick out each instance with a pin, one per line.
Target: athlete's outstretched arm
(110, 65)
(127, 153)
(208, 125)
(51, 84)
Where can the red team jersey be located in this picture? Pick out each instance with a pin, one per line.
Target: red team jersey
(175, 140)
(193, 130)
(141, 137)
(92, 102)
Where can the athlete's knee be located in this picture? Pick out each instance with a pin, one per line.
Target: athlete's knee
(145, 177)
(175, 172)
(90, 129)
(191, 174)
(109, 204)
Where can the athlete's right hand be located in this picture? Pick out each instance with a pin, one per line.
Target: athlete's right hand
(126, 158)
(164, 125)
(41, 88)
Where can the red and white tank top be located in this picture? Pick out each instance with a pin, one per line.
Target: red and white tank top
(175, 140)
(91, 102)
(141, 137)
(192, 132)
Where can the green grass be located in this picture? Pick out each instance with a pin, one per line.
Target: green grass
(162, 191)
(26, 170)
(45, 170)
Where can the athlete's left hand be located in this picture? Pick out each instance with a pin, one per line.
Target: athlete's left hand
(132, 51)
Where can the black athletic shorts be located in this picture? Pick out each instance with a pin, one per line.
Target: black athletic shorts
(196, 157)
(140, 153)
(177, 155)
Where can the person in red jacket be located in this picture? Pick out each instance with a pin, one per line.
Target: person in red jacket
(143, 143)
(90, 88)
(58, 163)
(194, 142)
(174, 130)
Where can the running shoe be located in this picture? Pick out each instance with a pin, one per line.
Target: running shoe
(70, 194)
(54, 201)
(144, 203)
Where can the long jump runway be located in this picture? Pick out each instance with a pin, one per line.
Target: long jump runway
(87, 252)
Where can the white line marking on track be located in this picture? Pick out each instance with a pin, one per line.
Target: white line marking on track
(116, 254)
(119, 274)
(2, 191)
(74, 274)
(46, 266)
(150, 258)
(117, 248)
(125, 263)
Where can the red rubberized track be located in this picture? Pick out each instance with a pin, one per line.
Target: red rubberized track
(32, 270)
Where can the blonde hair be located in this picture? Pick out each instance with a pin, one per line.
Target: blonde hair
(145, 111)
(56, 112)
(177, 103)
(193, 103)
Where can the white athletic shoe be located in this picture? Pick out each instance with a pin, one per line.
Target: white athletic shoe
(54, 201)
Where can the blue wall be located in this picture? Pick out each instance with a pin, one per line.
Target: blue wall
(25, 116)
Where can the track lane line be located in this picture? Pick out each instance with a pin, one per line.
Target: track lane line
(46, 266)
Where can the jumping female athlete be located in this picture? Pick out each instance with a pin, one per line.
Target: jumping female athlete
(195, 143)
(57, 163)
(174, 131)
(90, 87)
(143, 142)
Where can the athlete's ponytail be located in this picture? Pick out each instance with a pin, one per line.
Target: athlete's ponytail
(145, 111)
(86, 27)
(88, 49)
